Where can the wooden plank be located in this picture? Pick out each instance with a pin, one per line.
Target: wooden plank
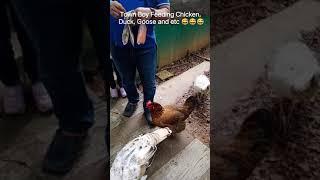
(192, 163)
(117, 108)
(125, 132)
(117, 118)
(96, 170)
(168, 149)
(27, 141)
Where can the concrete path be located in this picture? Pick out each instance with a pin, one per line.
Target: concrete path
(241, 60)
(25, 140)
(177, 147)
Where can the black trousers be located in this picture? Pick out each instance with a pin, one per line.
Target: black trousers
(55, 26)
(96, 16)
(9, 74)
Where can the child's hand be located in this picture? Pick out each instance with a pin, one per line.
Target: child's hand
(116, 8)
(145, 13)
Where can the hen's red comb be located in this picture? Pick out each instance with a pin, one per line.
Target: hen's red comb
(149, 104)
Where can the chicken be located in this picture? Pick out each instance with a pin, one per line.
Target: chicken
(174, 117)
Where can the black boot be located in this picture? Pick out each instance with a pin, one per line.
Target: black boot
(130, 109)
(148, 117)
(62, 153)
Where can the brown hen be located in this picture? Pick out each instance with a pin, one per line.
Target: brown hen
(172, 116)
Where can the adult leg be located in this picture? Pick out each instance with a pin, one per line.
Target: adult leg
(30, 58)
(13, 101)
(8, 67)
(31, 67)
(96, 18)
(97, 21)
(55, 26)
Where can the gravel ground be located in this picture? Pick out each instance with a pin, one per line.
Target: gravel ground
(312, 39)
(233, 16)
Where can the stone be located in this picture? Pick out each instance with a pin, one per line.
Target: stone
(164, 75)
(292, 67)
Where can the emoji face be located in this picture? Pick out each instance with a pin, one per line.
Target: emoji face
(184, 21)
(200, 21)
(192, 21)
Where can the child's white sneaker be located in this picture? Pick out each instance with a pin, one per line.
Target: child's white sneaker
(114, 93)
(13, 100)
(41, 97)
(123, 92)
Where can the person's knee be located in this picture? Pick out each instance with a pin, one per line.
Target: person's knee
(128, 78)
(128, 83)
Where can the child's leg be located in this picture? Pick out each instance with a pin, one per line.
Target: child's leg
(113, 84)
(126, 65)
(119, 80)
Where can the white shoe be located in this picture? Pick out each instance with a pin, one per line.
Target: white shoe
(123, 92)
(114, 93)
(41, 97)
(13, 100)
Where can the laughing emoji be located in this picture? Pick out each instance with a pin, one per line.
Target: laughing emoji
(184, 21)
(200, 21)
(192, 21)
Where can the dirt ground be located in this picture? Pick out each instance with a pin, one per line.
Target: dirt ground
(297, 157)
(256, 153)
(290, 153)
(182, 65)
(312, 39)
(233, 16)
(198, 123)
